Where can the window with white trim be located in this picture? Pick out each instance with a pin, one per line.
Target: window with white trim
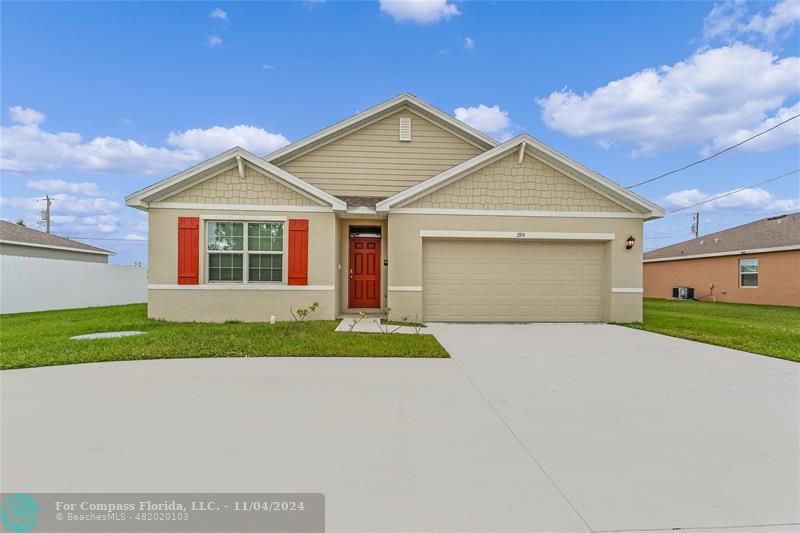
(245, 252)
(748, 272)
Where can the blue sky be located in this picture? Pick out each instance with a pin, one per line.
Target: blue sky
(101, 99)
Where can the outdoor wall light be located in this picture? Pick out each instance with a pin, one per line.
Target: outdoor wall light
(630, 242)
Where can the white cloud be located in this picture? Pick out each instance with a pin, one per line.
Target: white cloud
(25, 115)
(94, 224)
(135, 237)
(64, 204)
(419, 11)
(782, 15)
(219, 14)
(214, 41)
(729, 20)
(266, 66)
(58, 186)
(469, 43)
(218, 139)
(709, 95)
(28, 148)
(751, 200)
(491, 120)
(62, 219)
(724, 19)
(30, 204)
(785, 135)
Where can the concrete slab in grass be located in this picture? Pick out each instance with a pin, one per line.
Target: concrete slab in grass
(106, 335)
(373, 325)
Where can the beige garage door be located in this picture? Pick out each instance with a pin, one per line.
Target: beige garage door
(497, 281)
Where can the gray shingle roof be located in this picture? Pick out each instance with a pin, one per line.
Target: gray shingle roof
(16, 233)
(361, 201)
(772, 232)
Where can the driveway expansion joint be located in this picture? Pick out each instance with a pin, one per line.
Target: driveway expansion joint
(525, 448)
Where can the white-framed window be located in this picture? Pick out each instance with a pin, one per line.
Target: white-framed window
(748, 273)
(244, 252)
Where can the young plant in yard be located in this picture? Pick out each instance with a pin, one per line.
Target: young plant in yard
(361, 316)
(302, 313)
(384, 324)
(44, 338)
(417, 325)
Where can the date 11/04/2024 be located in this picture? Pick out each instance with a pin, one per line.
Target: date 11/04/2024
(245, 505)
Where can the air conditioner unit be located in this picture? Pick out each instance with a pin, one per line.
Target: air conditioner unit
(683, 293)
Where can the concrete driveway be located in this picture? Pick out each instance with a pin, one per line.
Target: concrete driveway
(526, 428)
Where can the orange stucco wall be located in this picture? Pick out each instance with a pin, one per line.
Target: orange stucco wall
(778, 278)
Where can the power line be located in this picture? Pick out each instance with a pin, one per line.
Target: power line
(733, 192)
(669, 236)
(712, 156)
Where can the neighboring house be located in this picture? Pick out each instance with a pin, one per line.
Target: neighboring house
(399, 206)
(757, 263)
(18, 240)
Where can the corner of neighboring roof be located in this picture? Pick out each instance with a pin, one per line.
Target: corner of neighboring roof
(140, 199)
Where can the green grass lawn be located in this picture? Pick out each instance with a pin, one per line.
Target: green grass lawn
(764, 329)
(41, 339)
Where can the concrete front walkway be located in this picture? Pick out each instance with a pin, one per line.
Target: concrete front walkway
(527, 428)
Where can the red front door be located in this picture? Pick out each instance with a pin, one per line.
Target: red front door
(365, 272)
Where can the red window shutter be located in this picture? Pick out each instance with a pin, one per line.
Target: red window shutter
(188, 250)
(298, 252)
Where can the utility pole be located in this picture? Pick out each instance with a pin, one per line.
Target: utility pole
(696, 224)
(46, 212)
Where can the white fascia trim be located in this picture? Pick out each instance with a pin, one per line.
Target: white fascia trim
(240, 287)
(723, 254)
(336, 203)
(520, 213)
(242, 207)
(397, 101)
(254, 218)
(136, 199)
(188, 184)
(629, 290)
(141, 198)
(653, 211)
(54, 247)
(361, 211)
(516, 235)
(405, 288)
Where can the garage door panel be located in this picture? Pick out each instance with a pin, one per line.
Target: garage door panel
(512, 281)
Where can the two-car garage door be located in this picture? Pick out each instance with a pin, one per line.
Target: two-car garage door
(514, 281)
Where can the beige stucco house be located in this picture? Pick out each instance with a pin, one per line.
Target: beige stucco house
(399, 206)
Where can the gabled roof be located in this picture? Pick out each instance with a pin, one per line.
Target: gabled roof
(20, 235)
(537, 149)
(141, 199)
(364, 118)
(776, 233)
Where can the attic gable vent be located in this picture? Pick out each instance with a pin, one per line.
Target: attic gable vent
(405, 128)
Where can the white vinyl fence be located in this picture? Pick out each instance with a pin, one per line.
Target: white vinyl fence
(39, 284)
